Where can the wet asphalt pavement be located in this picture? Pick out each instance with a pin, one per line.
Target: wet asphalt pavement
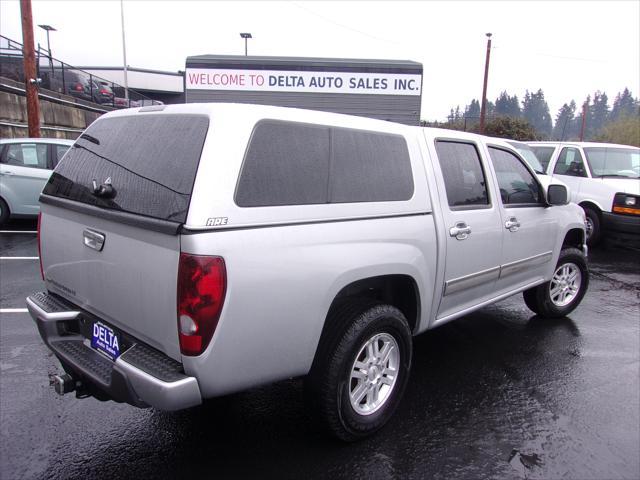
(498, 394)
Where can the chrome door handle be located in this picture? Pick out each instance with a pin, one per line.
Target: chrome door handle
(512, 224)
(461, 231)
(8, 174)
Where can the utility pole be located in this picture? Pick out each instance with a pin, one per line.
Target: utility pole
(483, 109)
(30, 74)
(584, 119)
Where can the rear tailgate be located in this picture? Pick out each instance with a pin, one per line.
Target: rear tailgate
(111, 215)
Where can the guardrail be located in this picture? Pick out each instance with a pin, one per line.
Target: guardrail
(60, 77)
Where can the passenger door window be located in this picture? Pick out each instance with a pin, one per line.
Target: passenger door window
(464, 178)
(32, 155)
(517, 184)
(570, 163)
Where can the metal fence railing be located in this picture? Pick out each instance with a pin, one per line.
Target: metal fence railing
(63, 78)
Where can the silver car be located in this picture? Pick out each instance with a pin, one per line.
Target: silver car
(25, 167)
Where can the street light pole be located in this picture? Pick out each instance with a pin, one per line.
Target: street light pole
(49, 28)
(483, 109)
(246, 36)
(124, 53)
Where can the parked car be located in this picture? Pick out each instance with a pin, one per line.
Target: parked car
(120, 102)
(211, 248)
(604, 179)
(80, 85)
(25, 167)
(102, 93)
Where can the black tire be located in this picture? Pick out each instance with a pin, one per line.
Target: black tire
(541, 298)
(4, 212)
(530, 299)
(594, 236)
(328, 385)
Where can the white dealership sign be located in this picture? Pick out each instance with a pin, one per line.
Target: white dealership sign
(303, 81)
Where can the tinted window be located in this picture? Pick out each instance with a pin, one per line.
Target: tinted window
(151, 161)
(290, 163)
(544, 155)
(464, 179)
(285, 164)
(369, 167)
(570, 163)
(58, 153)
(33, 155)
(517, 184)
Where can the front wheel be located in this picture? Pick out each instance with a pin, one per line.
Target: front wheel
(592, 224)
(361, 373)
(564, 292)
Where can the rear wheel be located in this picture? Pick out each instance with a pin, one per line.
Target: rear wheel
(563, 293)
(4, 212)
(361, 371)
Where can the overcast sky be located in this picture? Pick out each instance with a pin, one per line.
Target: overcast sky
(569, 49)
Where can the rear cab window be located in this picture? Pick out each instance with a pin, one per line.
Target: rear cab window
(151, 161)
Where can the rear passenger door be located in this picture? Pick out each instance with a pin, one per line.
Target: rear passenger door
(472, 223)
(529, 227)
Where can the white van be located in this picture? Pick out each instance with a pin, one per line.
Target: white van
(604, 179)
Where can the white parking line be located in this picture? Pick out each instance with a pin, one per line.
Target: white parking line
(13, 310)
(18, 231)
(19, 258)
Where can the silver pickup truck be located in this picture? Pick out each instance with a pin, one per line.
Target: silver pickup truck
(192, 251)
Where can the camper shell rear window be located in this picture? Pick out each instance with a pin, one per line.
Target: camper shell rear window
(150, 160)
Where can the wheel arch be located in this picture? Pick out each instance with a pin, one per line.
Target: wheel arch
(592, 206)
(398, 290)
(574, 237)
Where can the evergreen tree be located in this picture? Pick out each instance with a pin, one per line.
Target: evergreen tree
(565, 122)
(472, 111)
(624, 105)
(507, 106)
(536, 111)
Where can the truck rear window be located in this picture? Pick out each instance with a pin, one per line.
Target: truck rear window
(151, 161)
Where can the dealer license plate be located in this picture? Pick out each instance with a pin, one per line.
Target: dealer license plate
(105, 340)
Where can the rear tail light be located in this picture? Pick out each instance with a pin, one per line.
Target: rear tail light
(39, 247)
(202, 284)
(78, 87)
(626, 204)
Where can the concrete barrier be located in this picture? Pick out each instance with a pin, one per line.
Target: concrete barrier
(61, 116)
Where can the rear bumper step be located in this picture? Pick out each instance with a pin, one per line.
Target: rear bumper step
(141, 376)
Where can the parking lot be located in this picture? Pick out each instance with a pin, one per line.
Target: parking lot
(497, 394)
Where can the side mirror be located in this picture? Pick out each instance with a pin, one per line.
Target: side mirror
(557, 195)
